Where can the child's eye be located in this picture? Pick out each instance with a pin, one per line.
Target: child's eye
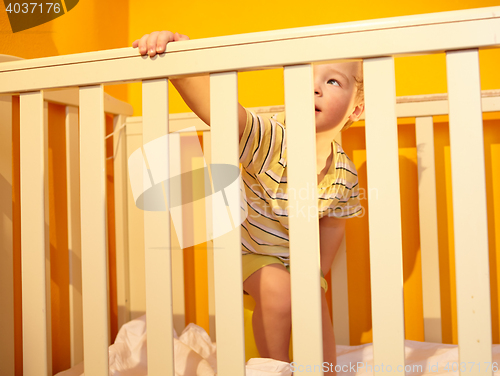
(333, 82)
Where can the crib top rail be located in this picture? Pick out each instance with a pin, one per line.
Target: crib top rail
(343, 28)
(70, 96)
(397, 36)
(414, 105)
(410, 106)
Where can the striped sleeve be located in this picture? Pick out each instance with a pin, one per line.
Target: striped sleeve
(347, 203)
(262, 144)
(351, 207)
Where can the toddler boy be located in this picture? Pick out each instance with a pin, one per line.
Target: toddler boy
(338, 93)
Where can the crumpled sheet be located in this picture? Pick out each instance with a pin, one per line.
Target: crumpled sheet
(195, 355)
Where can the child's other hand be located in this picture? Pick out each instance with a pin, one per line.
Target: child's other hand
(156, 42)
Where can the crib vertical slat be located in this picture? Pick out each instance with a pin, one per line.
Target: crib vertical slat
(469, 209)
(48, 298)
(227, 254)
(384, 213)
(179, 309)
(93, 230)
(303, 217)
(74, 235)
(427, 202)
(135, 220)
(157, 229)
(339, 291)
(121, 220)
(33, 233)
(6, 241)
(207, 151)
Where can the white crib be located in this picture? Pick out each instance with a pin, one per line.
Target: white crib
(460, 34)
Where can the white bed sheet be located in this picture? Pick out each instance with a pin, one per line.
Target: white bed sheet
(195, 355)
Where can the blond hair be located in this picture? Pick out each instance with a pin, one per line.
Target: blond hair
(360, 94)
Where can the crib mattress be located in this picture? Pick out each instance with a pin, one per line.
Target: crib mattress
(195, 354)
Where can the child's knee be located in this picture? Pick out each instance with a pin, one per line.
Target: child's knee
(277, 301)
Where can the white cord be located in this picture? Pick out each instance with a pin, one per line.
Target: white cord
(120, 130)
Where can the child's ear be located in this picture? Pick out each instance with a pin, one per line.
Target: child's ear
(357, 112)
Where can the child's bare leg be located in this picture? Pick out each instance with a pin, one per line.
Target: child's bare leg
(270, 287)
(272, 320)
(329, 350)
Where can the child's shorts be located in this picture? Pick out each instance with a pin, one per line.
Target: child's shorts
(252, 263)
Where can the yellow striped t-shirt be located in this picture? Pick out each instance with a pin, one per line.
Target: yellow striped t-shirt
(264, 173)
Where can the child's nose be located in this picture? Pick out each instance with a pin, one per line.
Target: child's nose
(317, 88)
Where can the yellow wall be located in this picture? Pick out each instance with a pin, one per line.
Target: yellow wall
(90, 26)
(95, 25)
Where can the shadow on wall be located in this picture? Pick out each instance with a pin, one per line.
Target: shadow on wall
(39, 39)
(358, 259)
(358, 254)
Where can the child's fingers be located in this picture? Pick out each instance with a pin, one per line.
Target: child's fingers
(178, 37)
(156, 42)
(151, 43)
(142, 44)
(164, 37)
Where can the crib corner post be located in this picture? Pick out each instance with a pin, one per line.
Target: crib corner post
(6, 240)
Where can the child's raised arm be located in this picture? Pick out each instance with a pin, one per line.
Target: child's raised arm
(194, 90)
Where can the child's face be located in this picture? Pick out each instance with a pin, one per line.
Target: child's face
(335, 94)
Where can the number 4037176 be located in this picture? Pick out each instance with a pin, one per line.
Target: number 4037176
(33, 7)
